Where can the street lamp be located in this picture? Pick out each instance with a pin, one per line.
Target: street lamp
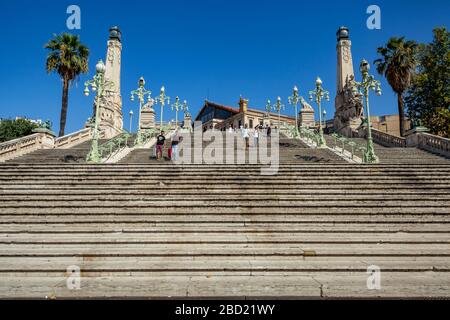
(319, 93)
(140, 92)
(177, 107)
(294, 100)
(185, 107)
(278, 107)
(162, 99)
(368, 82)
(102, 87)
(131, 120)
(268, 109)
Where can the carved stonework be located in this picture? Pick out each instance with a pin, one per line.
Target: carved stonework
(148, 116)
(111, 117)
(306, 115)
(349, 108)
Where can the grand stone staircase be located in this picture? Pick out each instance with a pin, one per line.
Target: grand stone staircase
(154, 229)
(77, 153)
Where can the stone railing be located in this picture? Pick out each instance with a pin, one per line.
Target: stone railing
(388, 140)
(433, 144)
(383, 138)
(74, 139)
(19, 147)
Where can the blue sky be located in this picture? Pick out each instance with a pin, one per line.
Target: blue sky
(201, 49)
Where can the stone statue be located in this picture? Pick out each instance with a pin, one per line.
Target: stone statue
(349, 108)
(47, 125)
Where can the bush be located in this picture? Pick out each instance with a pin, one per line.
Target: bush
(13, 129)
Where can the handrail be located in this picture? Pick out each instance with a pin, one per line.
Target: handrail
(115, 144)
(18, 147)
(433, 143)
(386, 139)
(73, 139)
(344, 141)
(147, 135)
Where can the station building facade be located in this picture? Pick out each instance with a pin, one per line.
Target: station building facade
(220, 117)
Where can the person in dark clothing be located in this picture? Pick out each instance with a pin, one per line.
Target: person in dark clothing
(269, 132)
(160, 141)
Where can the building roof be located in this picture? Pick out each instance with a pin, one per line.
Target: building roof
(217, 106)
(234, 110)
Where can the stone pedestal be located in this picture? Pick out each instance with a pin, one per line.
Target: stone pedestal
(187, 123)
(306, 115)
(412, 136)
(147, 118)
(306, 118)
(47, 138)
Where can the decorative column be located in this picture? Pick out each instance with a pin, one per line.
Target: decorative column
(110, 111)
(349, 109)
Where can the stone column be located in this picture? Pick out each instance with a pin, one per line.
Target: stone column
(111, 117)
(349, 109)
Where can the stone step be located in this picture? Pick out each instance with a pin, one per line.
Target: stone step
(66, 226)
(93, 266)
(263, 285)
(334, 219)
(225, 249)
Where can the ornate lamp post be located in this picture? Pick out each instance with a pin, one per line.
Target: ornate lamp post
(368, 82)
(131, 120)
(294, 100)
(102, 87)
(140, 92)
(278, 107)
(185, 107)
(268, 109)
(162, 99)
(319, 93)
(177, 107)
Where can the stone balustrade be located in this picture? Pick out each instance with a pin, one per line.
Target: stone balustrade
(433, 143)
(74, 139)
(388, 140)
(19, 147)
(383, 138)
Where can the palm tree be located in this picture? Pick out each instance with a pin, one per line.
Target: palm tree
(69, 58)
(398, 63)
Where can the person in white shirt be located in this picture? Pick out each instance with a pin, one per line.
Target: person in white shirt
(256, 136)
(246, 136)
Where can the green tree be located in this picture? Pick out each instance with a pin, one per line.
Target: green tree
(13, 129)
(69, 58)
(428, 99)
(398, 64)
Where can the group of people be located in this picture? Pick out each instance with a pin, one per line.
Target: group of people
(246, 133)
(173, 148)
(256, 133)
